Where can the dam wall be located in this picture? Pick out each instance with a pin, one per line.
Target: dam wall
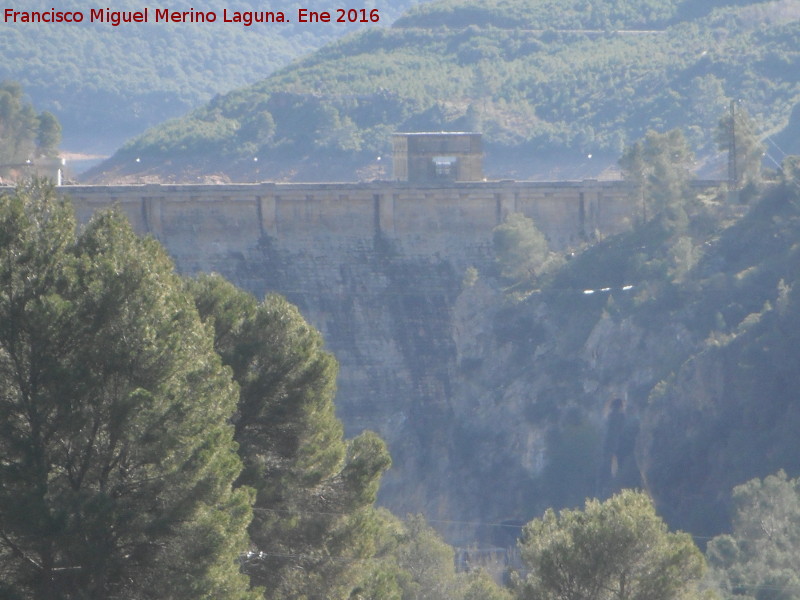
(379, 269)
(206, 226)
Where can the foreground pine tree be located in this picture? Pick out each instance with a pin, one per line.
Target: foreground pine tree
(619, 549)
(116, 455)
(313, 526)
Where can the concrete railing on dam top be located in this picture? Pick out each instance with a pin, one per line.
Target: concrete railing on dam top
(218, 227)
(423, 218)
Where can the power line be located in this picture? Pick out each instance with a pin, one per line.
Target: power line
(733, 177)
(769, 139)
(775, 162)
(459, 522)
(342, 514)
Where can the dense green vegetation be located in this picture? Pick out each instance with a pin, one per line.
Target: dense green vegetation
(621, 549)
(312, 487)
(539, 78)
(547, 14)
(169, 438)
(748, 311)
(690, 318)
(618, 549)
(108, 83)
(550, 14)
(759, 558)
(117, 458)
(520, 250)
(164, 437)
(659, 167)
(24, 134)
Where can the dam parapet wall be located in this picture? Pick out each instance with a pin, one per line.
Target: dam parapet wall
(200, 224)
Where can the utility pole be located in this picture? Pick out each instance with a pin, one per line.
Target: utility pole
(733, 175)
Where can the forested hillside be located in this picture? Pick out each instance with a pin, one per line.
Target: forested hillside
(179, 435)
(24, 134)
(558, 89)
(663, 358)
(106, 83)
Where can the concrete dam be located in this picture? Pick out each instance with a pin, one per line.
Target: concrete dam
(378, 268)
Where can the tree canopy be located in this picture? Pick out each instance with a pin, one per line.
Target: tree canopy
(759, 559)
(314, 489)
(659, 166)
(118, 456)
(176, 438)
(23, 133)
(17, 125)
(520, 249)
(618, 549)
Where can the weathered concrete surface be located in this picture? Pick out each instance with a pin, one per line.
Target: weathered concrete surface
(378, 268)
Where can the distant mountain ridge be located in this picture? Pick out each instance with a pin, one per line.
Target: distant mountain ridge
(551, 14)
(558, 91)
(108, 83)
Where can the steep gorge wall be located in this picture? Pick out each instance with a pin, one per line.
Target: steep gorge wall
(378, 268)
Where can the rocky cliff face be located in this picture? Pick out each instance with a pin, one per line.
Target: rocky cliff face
(730, 413)
(493, 408)
(388, 317)
(496, 408)
(619, 370)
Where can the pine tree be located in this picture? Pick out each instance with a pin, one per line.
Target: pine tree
(761, 557)
(23, 133)
(618, 549)
(312, 521)
(117, 456)
(659, 167)
(520, 249)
